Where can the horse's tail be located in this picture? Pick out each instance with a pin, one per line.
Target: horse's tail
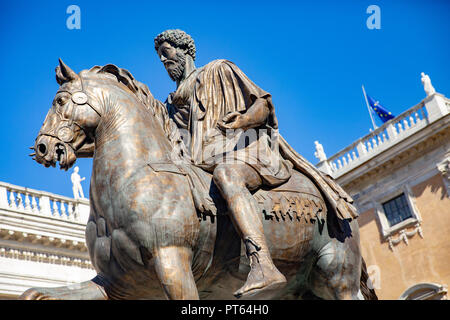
(367, 292)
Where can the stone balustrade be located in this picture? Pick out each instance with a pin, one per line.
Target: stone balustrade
(42, 240)
(384, 137)
(41, 203)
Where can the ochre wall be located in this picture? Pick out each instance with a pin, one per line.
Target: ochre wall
(422, 260)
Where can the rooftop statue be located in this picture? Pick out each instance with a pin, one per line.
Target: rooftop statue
(76, 184)
(427, 86)
(178, 187)
(320, 153)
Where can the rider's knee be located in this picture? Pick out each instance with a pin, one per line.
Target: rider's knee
(224, 175)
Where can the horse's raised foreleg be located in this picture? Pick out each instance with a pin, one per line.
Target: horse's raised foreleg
(88, 290)
(173, 267)
(337, 271)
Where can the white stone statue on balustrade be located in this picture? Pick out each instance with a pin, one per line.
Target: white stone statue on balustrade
(427, 86)
(320, 153)
(76, 184)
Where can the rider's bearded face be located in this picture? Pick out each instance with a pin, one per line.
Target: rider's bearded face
(174, 60)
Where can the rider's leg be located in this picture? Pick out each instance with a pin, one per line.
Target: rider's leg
(235, 182)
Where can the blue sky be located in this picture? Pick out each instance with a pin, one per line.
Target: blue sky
(312, 56)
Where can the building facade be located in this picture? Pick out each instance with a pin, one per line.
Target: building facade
(398, 176)
(42, 240)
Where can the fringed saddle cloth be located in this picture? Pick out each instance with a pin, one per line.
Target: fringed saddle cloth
(296, 200)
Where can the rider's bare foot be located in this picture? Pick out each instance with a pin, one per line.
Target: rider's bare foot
(263, 277)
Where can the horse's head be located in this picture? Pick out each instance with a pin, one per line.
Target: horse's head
(68, 129)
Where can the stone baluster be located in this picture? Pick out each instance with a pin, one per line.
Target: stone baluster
(76, 212)
(400, 128)
(369, 146)
(405, 124)
(344, 160)
(63, 210)
(12, 200)
(70, 212)
(27, 202)
(55, 209)
(339, 164)
(374, 142)
(411, 120)
(19, 201)
(349, 158)
(424, 114)
(354, 155)
(418, 120)
(34, 206)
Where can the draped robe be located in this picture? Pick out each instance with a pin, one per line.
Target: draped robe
(209, 93)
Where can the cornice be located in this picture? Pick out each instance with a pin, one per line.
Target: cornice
(36, 239)
(42, 257)
(45, 253)
(37, 226)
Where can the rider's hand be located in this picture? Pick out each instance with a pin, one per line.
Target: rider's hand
(234, 120)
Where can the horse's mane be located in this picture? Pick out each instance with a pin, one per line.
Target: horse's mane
(139, 89)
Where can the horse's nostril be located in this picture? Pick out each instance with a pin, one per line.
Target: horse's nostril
(42, 149)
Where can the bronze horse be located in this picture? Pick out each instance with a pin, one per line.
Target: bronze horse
(145, 237)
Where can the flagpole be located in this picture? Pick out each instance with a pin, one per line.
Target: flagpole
(368, 108)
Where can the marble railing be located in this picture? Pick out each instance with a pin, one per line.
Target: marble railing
(41, 203)
(42, 240)
(392, 132)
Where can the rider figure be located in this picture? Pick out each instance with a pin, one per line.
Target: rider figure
(218, 106)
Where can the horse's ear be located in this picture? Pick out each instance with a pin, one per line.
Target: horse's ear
(64, 73)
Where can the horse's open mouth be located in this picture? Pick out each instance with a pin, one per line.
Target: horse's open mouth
(60, 154)
(50, 150)
(63, 156)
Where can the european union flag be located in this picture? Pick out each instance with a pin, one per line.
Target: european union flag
(382, 113)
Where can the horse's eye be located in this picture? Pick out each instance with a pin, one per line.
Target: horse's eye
(60, 101)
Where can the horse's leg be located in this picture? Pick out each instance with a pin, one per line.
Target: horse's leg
(88, 290)
(337, 272)
(173, 267)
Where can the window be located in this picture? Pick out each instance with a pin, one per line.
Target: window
(397, 210)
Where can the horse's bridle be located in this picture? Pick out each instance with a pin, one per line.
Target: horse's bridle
(65, 130)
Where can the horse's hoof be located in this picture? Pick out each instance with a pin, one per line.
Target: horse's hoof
(34, 294)
(260, 293)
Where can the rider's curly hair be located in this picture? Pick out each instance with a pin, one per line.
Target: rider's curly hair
(177, 38)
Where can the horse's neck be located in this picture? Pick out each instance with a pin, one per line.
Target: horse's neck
(129, 132)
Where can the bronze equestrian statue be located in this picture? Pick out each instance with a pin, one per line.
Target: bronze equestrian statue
(205, 218)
